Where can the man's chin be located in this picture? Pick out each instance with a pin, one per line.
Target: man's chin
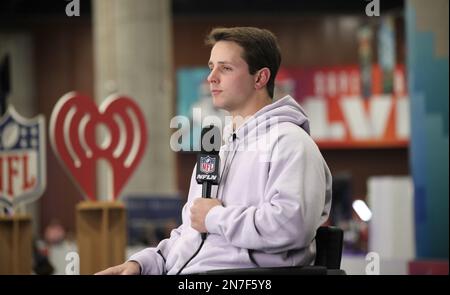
(218, 104)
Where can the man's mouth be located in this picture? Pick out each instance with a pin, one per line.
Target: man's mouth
(215, 92)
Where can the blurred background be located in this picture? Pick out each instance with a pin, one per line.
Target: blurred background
(372, 75)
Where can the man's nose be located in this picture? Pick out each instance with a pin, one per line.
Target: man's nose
(212, 77)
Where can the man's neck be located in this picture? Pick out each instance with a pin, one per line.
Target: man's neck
(253, 105)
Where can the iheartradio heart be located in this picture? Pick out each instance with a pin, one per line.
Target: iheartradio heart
(75, 127)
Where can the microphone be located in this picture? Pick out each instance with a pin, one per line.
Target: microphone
(208, 161)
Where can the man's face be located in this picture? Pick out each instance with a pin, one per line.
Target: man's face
(230, 81)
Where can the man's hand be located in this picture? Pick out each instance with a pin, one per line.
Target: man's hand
(199, 210)
(127, 268)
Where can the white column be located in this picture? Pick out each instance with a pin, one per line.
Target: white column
(133, 56)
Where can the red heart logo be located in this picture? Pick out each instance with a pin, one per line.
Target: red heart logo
(73, 124)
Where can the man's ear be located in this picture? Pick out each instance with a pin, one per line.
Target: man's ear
(262, 78)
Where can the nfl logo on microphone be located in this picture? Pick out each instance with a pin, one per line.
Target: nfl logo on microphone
(207, 164)
(22, 158)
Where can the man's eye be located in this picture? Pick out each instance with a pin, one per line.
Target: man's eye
(227, 68)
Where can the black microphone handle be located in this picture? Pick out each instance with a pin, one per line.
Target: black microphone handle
(206, 189)
(206, 193)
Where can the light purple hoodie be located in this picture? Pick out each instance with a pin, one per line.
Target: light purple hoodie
(276, 191)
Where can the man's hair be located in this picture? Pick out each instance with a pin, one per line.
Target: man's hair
(260, 49)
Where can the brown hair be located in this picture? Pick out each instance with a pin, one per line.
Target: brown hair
(260, 49)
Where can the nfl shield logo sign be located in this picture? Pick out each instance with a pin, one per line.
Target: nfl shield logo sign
(207, 164)
(22, 158)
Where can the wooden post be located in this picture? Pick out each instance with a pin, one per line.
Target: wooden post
(16, 250)
(101, 235)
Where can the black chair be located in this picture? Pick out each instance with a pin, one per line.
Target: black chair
(329, 240)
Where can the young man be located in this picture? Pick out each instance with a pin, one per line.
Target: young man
(271, 199)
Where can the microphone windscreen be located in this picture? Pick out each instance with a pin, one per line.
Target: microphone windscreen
(211, 140)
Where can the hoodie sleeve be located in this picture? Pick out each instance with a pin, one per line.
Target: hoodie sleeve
(296, 202)
(152, 260)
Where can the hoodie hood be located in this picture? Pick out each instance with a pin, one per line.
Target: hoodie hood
(285, 109)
